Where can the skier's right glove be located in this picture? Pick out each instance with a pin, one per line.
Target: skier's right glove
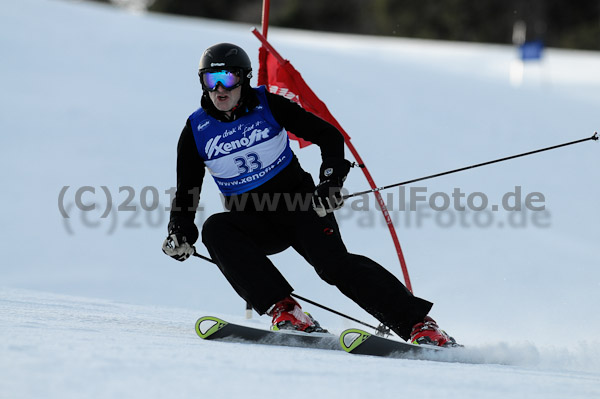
(179, 245)
(328, 194)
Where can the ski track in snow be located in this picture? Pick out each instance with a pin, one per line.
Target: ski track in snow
(56, 346)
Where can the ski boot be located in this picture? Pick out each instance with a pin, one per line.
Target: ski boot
(429, 333)
(287, 315)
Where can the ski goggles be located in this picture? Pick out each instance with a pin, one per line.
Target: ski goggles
(228, 79)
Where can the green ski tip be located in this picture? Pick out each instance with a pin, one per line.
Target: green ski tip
(208, 325)
(352, 338)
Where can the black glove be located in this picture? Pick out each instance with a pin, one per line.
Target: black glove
(179, 243)
(328, 196)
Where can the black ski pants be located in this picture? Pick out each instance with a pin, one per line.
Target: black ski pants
(240, 242)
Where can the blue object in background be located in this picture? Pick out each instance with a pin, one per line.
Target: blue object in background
(531, 50)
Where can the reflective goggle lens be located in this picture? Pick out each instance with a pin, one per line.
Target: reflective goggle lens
(229, 80)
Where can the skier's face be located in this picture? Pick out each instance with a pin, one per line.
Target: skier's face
(225, 100)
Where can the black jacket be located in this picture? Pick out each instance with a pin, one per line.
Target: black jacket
(191, 168)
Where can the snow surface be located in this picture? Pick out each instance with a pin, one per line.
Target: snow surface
(93, 96)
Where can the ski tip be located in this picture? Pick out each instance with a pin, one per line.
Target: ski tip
(208, 325)
(352, 338)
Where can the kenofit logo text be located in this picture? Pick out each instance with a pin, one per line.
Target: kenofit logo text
(214, 146)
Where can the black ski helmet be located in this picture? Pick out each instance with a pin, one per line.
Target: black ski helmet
(226, 56)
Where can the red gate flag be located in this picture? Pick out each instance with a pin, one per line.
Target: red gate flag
(286, 81)
(283, 79)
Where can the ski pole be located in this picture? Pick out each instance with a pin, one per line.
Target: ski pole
(334, 311)
(206, 258)
(248, 304)
(594, 137)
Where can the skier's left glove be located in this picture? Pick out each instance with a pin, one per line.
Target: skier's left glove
(328, 194)
(179, 245)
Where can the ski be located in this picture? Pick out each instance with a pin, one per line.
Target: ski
(213, 328)
(360, 342)
(354, 341)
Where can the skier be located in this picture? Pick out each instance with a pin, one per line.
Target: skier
(239, 134)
